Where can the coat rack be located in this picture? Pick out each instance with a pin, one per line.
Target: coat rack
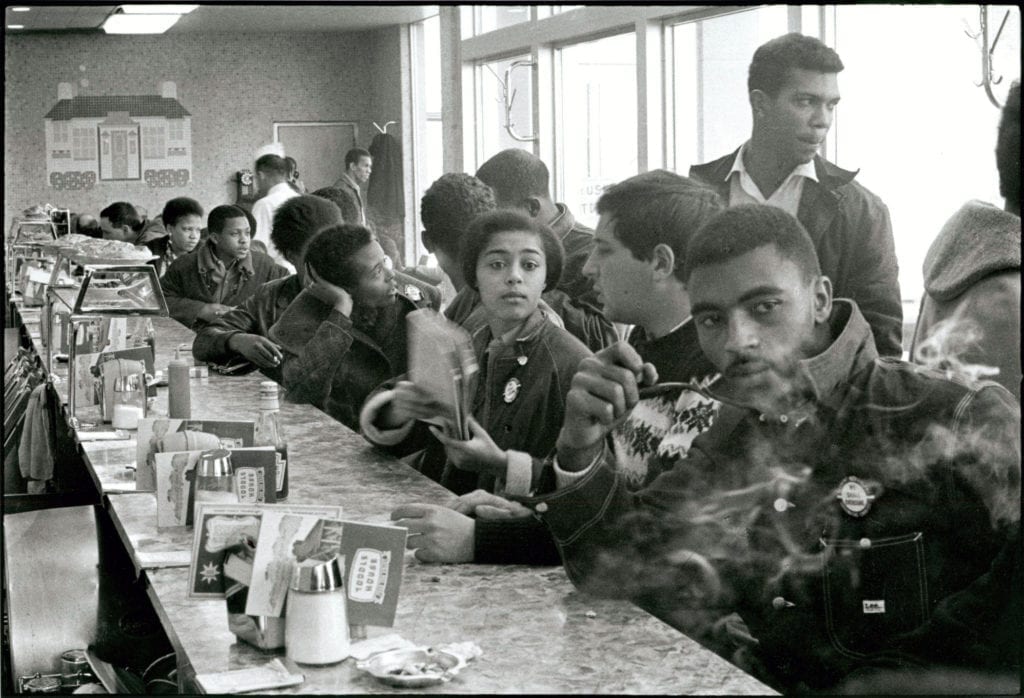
(508, 99)
(383, 129)
(988, 77)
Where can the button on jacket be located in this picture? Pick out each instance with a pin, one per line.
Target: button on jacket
(885, 516)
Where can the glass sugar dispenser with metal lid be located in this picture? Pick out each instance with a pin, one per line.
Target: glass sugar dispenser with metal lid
(269, 433)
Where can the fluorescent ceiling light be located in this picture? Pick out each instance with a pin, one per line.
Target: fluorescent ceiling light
(15, 26)
(157, 9)
(20, 9)
(139, 24)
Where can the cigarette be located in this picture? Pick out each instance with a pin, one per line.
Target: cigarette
(665, 388)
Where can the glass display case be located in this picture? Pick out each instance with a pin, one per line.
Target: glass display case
(75, 315)
(26, 241)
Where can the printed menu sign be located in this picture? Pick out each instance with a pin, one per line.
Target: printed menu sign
(221, 529)
(163, 435)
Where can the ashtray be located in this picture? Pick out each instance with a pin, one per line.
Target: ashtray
(413, 668)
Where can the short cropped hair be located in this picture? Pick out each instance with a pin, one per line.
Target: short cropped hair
(222, 213)
(487, 225)
(515, 174)
(272, 164)
(772, 61)
(178, 208)
(1008, 146)
(658, 207)
(448, 207)
(344, 199)
(121, 213)
(330, 253)
(735, 231)
(290, 163)
(299, 219)
(353, 156)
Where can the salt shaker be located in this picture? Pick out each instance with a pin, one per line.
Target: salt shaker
(316, 623)
(215, 481)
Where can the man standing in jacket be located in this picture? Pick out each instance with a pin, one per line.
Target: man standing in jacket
(793, 91)
(358, 166)
(861, 516)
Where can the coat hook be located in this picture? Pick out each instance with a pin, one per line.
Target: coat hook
(383, 130)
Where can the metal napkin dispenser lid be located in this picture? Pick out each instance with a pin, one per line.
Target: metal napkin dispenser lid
(121, 375)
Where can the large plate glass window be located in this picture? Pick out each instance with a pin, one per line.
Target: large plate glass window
(596, 120)
(494, 92)
(708, 90)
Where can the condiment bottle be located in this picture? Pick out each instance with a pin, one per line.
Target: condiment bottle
(179, 396)
(316, 623)
(215, 481)
(268, 433)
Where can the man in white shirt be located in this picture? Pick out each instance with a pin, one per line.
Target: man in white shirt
(272, 180)
(793, 90)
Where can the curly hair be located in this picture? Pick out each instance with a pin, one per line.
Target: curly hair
(735, 231)
(300, 218)
(331, 250)
(772, 61)
(487, 225)
(178, 208)
(448, 207)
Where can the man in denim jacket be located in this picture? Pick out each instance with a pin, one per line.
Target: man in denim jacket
(861, 515)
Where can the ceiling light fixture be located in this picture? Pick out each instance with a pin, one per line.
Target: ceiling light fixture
(139, 24)
(15, 26)
(20, 9)
(144, 19)
(157, 9)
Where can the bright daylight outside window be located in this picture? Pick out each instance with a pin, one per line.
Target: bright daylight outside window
(596, 136)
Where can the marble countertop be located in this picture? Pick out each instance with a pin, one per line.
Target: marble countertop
(537, 632)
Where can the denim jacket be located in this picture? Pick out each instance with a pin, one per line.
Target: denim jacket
(878, 527)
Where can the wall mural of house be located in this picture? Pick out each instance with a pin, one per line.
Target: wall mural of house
(118, 138)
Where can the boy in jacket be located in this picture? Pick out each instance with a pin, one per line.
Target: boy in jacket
(219, 274)
(860, 515)
(345, 333)
(794, 90)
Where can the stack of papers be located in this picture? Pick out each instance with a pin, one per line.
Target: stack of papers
(441, 361)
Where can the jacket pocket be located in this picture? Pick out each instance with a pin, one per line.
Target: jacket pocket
(874, 590)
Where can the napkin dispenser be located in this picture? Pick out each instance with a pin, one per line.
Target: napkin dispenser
(118, 373)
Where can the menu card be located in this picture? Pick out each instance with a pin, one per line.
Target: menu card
(441, 361)
(152, 431)
(253, 468)
(222, 529)
(373, 556)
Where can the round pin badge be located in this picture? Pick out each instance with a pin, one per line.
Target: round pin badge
(521, 360)
(512, 390)
(854, 497)
(412, 292)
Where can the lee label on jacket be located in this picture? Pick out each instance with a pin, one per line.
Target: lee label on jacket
(873, 606)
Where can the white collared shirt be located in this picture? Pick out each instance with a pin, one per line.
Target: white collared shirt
(263, 211)
(743, 189)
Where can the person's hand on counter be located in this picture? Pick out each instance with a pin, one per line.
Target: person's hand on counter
(256, 348)
(211, 312)
(437, 533)
(485, 505)
(479, 454)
